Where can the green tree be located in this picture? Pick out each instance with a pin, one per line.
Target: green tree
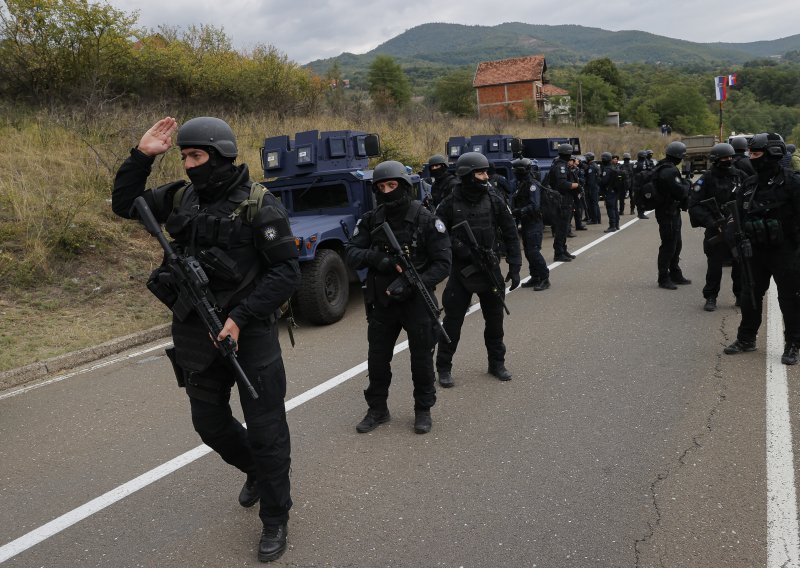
(454, 93)
(606, 70)
(388, 84)
(61, 49)
(599, 98)
(683, 107)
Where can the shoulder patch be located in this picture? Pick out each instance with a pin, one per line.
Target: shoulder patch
(563, 170)
(439, 226)
(678, 179)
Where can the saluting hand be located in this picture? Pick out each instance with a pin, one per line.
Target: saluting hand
(158, 139)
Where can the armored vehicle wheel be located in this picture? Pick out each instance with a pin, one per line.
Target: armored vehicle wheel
(325, 290)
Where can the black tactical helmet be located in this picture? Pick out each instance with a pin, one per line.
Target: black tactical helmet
(207, 131)
(390, 170)
(605, 156)
(437, 159)
(469, 162)
(791, 148)
(739, 143)
(565, 150)
(649, 153)
(626, 156)
(642, 154)
(521, 164)
(770, 143)
(721, 150)
(676, 150)
(589, 156)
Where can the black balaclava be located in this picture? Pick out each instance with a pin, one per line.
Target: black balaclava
(439, 173)
(395, 201)
(471, 189)
(211, 179)
(765, 166)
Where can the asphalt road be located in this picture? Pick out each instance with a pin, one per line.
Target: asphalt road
(626, 438)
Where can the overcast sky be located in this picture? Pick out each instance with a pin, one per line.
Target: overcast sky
(306, 31)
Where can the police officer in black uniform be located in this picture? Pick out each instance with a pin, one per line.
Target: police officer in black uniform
(674, 195)
(564, 180)
(486, 213)
(591, 176)
(527, 210)
(251, 262)
(441, 180)
(769, 206)
(626, 166)
(611, 185)
(740, 160)
(709, 195)
(393, 303)
(642, 164)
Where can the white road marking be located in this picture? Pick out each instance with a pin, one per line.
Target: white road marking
(84, 370)
(783, 545)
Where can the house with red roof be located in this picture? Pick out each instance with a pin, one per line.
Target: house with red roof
(517, 88)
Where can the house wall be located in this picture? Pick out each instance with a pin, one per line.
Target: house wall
(504, 101)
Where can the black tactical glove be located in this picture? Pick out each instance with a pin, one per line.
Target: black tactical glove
(513, 275)
(460, 249)
(400, 290)
(380, 261)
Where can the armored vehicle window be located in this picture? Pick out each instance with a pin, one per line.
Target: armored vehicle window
(317, 197)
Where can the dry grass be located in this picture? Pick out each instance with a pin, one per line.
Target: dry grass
(72, 274)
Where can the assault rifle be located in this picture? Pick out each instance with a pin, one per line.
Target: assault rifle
(713, 207)
(413, 277)
(192, 283)
(743, 251)
(486, 261)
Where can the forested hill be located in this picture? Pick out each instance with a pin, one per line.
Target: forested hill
(454, 45)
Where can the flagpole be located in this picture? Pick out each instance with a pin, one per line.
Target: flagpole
(720, 121)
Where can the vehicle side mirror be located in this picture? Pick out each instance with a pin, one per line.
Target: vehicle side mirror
(372, 145)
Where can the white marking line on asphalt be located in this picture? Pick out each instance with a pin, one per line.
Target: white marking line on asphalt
(783, 545)
(66, 520)
(83, 371)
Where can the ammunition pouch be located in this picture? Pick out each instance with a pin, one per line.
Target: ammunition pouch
(161, 284)
(219, 266)
(765, 232)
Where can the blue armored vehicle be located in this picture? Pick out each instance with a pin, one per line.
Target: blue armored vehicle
(323, 181)
(502, 149)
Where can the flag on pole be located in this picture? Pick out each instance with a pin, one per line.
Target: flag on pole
(720, 87)
(732, 80)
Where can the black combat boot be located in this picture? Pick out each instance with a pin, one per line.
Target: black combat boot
(531, 283)
(679, 279)
(422, 421)
(711, 305)
(569, 254)
(610, 229)
(562, 258)
(273, 542)
(543, 285)
(446, 378)
(667, 284)
(249, 494)
(790, 354)
(740, 346)
(498, 369)
(643, 216)
(372, 420)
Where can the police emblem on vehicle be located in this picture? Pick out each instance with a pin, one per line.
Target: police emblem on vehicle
(270, 233)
